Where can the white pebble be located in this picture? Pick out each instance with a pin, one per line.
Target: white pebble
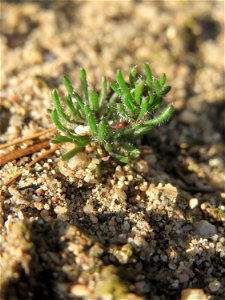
(82, 130)
(79, 290)
(193, 202)
(60, 209)
(193, 294)
(171, 32)
(215, 162)
(46, 206)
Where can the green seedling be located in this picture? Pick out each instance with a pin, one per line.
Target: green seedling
(114, 118)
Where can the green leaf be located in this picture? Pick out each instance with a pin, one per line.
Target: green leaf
(156, 104)
(92, 124)
(78, 138)
(113, 99)
(73, 152)
(142, 130)
(103, 94)
(56, 121)
(80, 103)
(129, 104)
(116, 89)
(61, 139)
(162, 117)
(151, 98)
(138, 91)
(87, 110)
(144, 108)
(126, 92)
(68, 85)
(71, 106)
(122, 111)
(162, 79)
(157, 87)
(122, 158)
(148, 74)
(102, 130)
(131, 150)
(108, 147)
(94, 101)
(78, 100)
(133, 73)
(165, 90)
(84, 84)
(60, 111)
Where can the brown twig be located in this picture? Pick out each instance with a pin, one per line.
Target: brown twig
(5, 158)
(44, 155)
(31, 137)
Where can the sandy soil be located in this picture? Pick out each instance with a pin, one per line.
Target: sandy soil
(147, 230)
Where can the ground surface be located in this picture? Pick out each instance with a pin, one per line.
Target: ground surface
(147, 230)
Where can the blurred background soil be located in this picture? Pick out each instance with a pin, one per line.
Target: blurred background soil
(61, 241)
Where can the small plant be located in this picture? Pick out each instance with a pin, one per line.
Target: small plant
(113, 119)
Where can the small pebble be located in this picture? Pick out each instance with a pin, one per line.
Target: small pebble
(80, 160)
(214, 285)
(142, 287)
(82, 130)
(93, 219)
(193, 202)
(60, 209)
(215, 162)
(171, 32)
(142, 167)
(204, 229)
(79, 290)
(188, 117)
(183, 278)
(88, 208)
(193, 294)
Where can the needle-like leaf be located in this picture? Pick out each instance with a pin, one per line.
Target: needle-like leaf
(71, 106)
(60, 110)
(102, 130)
(138, 91)
(148, 74)
(128, 101)
(133, 73)
(122, 111)
(56, 121)
(94, 101)
(73, 152)
(103, 94)
(163, 116)
(157, 87)
(68, 85)
(84, 84)
(162, 79)
(165, 90)
(92, 124)
(61, 139)
(144, 108)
